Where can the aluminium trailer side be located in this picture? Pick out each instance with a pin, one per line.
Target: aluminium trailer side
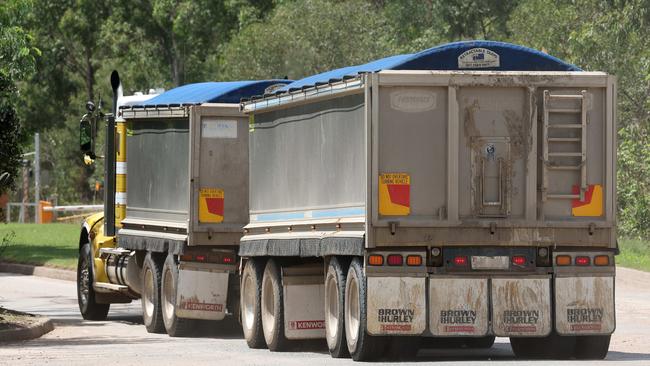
(182, 158)
(464, 191)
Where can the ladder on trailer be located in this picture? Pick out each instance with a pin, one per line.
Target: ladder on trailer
(554, 160)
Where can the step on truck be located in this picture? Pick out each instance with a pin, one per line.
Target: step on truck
(182, 158)
(461, 193)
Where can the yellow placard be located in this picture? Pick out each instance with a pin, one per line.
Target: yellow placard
(211, 205)
(394, 194)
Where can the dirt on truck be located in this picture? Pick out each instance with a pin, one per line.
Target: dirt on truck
(435, 199)
(463, 191)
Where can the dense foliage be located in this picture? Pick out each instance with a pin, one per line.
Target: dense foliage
(164, 43)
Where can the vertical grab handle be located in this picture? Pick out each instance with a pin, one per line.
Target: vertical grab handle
(499, 202)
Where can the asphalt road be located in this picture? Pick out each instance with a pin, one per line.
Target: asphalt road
(122, 340)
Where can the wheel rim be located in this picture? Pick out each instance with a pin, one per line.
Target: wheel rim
(168, 295)
(249, 292)
(352, 313)
(147, 299)
(84, 282)
(268, 306)
(332, 308)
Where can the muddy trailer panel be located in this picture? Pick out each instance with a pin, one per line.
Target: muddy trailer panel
(473, 201)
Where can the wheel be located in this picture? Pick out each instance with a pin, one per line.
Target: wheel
(334, 309)
(403, 348)
(481, 342)
(272, 307)
(151, 309)
(552, 346)
(88, 306)
(592, 347)
(250, 303)
(175, 326)
(361, 345)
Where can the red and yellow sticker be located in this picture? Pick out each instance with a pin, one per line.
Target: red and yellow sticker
(593, 203)
(210, 205)
(394, 194)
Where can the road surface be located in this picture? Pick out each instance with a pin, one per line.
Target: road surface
(122, 340)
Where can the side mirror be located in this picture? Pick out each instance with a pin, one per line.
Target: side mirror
(86, 138)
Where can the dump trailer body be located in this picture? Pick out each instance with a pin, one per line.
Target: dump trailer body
(182, 159)
(187, 164)
(465, 189)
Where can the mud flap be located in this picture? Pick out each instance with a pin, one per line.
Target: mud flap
(584, 305)
(521, 307)
(396, 305)
(458, 306)
(201, 293)
(304, 310)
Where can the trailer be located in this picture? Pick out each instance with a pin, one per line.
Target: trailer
(182, 157)
(460, 193)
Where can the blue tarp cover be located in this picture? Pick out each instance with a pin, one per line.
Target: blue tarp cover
(211, 92)
(446, 57)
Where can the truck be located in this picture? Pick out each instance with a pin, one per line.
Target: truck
(182, 157)
(463, 192)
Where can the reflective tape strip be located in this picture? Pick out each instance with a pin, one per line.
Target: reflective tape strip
(120, 167)
(120, 198)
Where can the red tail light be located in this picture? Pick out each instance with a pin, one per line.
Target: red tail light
(460, 260)
(228, 259)
(395, 260)
(582, 261)
(519, 260)
(200, 258)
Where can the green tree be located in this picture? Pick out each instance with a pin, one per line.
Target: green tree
(17, 58)
(306, 37)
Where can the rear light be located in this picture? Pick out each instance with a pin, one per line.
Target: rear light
(186, 257)
(582, 261)
(563, 260)
(227, 259)
(414, 260)
(460, 260)
(395, 260)
(200, 258)
(375, 260)
(601, 260)
(519, 260)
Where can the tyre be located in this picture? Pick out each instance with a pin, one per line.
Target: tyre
(88, 306)
(151, 309)
(334, 309)
(175, 326)
(403, 348)
(273, 307)
(459, 342)
(481, 342)
(250, 303)
(552, 346)
(592, 347)
(361, 345)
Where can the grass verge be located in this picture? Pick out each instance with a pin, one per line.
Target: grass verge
(52, 245)
(635, 253)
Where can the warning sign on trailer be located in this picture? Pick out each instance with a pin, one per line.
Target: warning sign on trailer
(394, 194)
(211, 205)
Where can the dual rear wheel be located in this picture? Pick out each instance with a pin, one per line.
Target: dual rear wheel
(262, 306)
(159, 283)
(555, 346)
(262, 311)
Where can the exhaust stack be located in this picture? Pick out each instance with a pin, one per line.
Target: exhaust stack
(109, 163)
